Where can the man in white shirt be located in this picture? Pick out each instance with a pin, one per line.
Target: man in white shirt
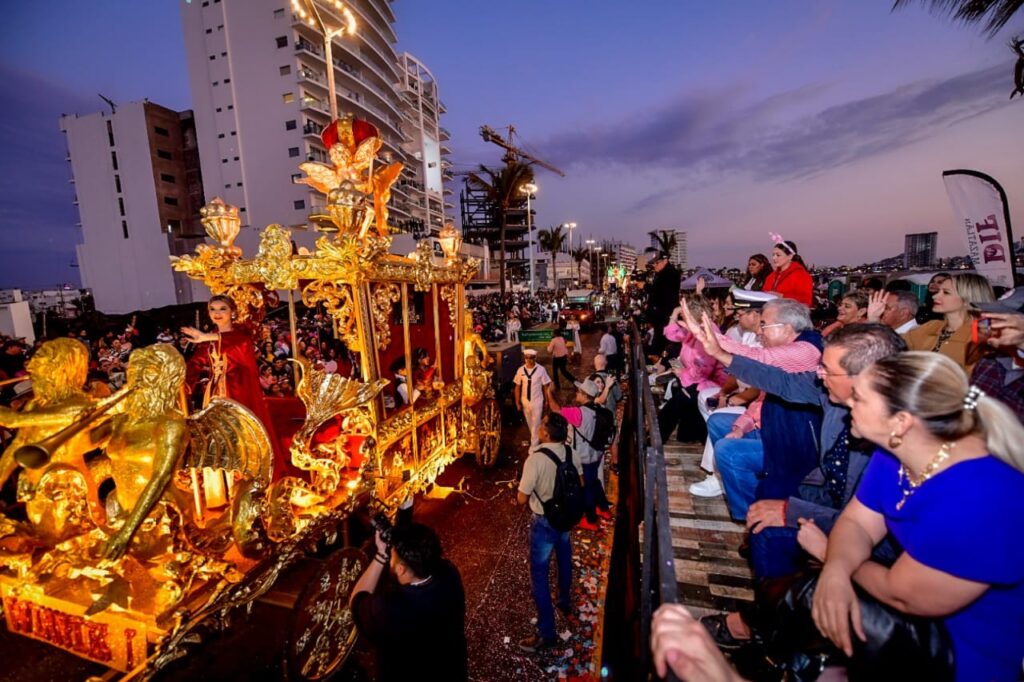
(609, 347)
(900, 312)
(532, 386)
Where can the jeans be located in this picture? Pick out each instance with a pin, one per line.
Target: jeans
(593, 490)
(561, 365)
(774, 552)
(740, 462)
(543, 540)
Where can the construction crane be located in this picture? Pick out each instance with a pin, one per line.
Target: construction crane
(512, 153)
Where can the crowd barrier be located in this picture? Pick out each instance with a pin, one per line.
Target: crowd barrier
(642, 569)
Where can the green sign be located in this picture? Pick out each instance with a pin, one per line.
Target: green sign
(542, 336)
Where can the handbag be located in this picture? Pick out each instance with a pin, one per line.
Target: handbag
(898, 647)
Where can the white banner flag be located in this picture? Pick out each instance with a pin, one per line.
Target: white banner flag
(979, 204)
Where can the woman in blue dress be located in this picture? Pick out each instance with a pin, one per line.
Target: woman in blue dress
(949, 487)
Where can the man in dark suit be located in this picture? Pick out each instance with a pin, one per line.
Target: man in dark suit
(662, 297)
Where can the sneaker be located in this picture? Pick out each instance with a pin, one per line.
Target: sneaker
(534, 644)
(587, 525)
(709, 487)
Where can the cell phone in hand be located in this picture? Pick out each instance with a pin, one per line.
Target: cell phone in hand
(981, 330)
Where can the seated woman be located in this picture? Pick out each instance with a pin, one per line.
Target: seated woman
(853, 308)
(951, 335)
(948, 490)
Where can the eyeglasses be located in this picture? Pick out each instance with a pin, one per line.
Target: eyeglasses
(823, 371)
(777, 324)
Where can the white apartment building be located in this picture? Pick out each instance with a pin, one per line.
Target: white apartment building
(138, 193)
(678, 257)
(259, 92)
(622, 254)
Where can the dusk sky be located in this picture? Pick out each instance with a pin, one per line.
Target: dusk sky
(829, 122)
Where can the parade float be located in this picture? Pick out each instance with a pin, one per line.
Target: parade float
(144, 527)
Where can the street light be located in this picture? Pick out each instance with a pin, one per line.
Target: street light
(590, 259)
(310, 13)
(529, 189)
(570, 227)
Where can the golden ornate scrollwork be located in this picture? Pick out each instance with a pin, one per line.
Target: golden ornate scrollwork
(339, 304)
(450, 296)
(384, 296)
(423, 270)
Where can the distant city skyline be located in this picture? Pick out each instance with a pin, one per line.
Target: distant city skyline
(829, 123)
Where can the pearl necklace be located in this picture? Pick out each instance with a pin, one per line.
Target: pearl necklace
(929, 471)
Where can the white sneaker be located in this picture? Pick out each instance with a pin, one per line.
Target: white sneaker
(709, 487)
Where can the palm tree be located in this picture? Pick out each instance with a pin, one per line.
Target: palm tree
(502, 189)
(666, 241)
(552, 239)
(579, 255)
(995, 13)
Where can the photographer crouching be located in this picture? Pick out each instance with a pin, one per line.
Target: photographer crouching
(416, 620)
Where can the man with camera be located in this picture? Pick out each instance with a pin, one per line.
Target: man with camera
(417, 618)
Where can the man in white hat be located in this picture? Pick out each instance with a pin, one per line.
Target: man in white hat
(532, 385)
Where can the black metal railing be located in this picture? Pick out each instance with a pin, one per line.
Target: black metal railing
(642, 568)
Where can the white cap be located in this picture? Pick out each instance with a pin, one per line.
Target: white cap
(530, 352)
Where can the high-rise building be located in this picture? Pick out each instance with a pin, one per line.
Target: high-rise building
(622, 254)
(260, 96)
(425, 147)
(920, 249)
(138, 190)
(678, 256)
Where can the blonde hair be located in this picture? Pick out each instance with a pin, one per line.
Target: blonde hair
(933, 388)
(973, 288)
(698, 306)
(65, 364)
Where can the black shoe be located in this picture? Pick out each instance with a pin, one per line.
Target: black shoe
(719, 630)
(535, 644)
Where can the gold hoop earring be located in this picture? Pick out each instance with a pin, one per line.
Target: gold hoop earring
(894, 441)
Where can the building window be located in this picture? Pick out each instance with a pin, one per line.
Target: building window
(227, 186)
(282, 41)
(227, 80)
(293, 151)
(300, 204)
(223, 160)
(233, 133)
(167, 177)
(164, 154)
(171, 201)
(296, 177)
(212, 57)
(290, 125)
(236, 158)
(238, 184)
(279, 14)
(124, 228)
(120, 205)
(113, 159)
(161, 131)
(242, 210)
(117, 183)
(220, 136)
(216, 83)
(288, 97)
(110, 133)
(206, 3)
(285, 70)
(174, 226)
(221, 27)
(223, 54)
(219, 109)
(209, 30)
(231, 107)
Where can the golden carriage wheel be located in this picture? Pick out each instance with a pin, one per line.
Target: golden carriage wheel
(488, 425)
(322, 630)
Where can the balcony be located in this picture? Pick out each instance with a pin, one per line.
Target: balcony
(312, 129)
(445, 135)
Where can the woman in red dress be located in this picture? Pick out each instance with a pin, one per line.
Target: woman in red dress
(790, 278)
(227, 357)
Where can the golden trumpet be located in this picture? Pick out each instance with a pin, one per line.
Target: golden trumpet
(35, 455)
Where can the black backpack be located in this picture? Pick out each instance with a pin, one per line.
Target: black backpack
(604, 428)
(565, 508)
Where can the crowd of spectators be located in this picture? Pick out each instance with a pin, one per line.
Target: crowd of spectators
(879, 448)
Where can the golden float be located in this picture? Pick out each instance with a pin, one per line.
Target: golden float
(147, 526)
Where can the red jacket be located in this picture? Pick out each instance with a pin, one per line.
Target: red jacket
(794, 282)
